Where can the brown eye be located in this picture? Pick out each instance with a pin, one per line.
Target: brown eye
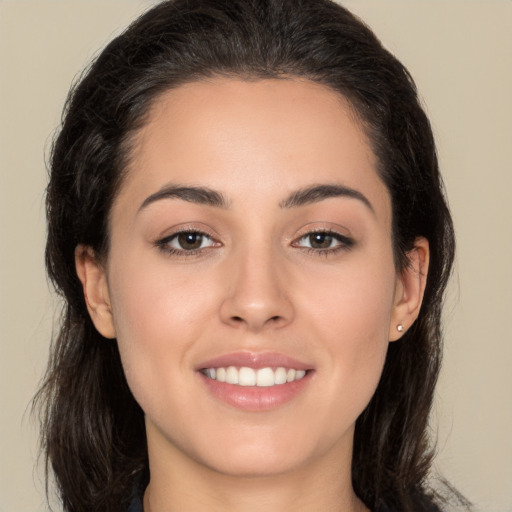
(324, 242)
(190, 241)
(186, 243)
(320, 240)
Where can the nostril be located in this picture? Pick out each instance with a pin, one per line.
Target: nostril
(238, 319)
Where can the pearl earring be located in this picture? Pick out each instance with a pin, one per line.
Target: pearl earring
(400, 328)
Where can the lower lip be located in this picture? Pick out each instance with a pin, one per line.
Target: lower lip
(255, 398)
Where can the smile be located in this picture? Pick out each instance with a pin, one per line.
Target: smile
(262, 377)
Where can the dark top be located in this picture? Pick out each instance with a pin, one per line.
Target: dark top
(136, 506)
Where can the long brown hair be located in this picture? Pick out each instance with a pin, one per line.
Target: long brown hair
(92, 428)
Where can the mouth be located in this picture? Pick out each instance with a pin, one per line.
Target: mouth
(261, 377)
(256, 381)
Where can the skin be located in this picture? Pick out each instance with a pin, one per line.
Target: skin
(255, 285)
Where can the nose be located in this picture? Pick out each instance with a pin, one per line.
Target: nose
(256, 297)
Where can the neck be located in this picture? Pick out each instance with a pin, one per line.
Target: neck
(181, 483)
(259, 494)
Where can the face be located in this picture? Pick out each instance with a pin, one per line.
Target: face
(250, 243)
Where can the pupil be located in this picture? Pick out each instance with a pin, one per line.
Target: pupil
(320, 241)
(190, 240)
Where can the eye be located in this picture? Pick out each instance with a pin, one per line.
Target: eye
(319, 240)
(189, 241)
(185, 242)
(324, 241)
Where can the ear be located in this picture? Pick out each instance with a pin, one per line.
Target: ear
(94, 283)
(409, 289)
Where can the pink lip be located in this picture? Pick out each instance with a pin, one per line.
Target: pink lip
(255, 360)
(254, 398)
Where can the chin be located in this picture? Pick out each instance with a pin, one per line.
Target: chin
(259, 453)
(256, 465)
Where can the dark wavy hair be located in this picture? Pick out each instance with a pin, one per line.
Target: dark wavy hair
(93, 433)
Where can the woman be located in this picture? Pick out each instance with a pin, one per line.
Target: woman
(244, 210)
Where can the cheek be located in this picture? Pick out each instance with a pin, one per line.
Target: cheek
(351, 316)
(355, 303)
(150, 295)
(158, 315)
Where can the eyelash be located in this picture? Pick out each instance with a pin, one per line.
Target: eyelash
(344, 243)
(164, 243)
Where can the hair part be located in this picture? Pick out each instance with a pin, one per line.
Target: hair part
(88, 413)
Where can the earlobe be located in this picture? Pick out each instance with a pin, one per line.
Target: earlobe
(409, 290)
(93, 277)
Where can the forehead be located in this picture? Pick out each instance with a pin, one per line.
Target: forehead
(237, 111)
(266, 136)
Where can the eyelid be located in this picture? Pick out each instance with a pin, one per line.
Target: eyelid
(346, 240)
(162, 242)
(189, 227)
(322, 227)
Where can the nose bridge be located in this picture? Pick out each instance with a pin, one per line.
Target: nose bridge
(256, 296)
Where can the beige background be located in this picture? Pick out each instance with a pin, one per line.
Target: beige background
(460, 53)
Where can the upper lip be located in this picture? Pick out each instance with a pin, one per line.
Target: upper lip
(255, 360)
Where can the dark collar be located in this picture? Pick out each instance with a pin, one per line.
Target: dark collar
(135, 505)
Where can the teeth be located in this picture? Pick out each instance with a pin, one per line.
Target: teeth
(244, 376)
(231, 375)
(265, 377)
(280, 376)
(247, 377)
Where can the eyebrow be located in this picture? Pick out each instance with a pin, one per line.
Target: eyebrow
(317, 193)
(199, 195)
(209, 197)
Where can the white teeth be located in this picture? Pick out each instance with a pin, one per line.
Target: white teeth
(231, 375)
(280, 376)
(263, 377)
(221, 374)
(246, 376)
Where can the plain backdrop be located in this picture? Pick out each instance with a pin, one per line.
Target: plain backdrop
(459, 52)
